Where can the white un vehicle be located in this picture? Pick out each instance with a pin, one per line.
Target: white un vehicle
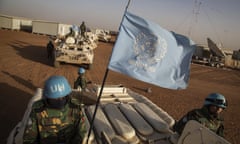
(126, 117)
(75, 50)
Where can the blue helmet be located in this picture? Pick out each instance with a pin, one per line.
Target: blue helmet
(81, 70)
(216, 99)
(56, 87)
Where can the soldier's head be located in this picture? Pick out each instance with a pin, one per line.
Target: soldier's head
(215, 102)
(56, 91)
(70, 29)
(81, 71)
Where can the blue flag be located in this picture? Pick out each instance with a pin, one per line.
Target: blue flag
(149, 53)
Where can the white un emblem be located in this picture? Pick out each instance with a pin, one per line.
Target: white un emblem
(149, 50)
(57, 88)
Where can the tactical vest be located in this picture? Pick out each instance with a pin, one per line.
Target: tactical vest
(212, 123)
(58, 126)
(202, 116)
(81, 81)
(215, 124)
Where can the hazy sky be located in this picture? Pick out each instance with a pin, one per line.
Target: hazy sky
(197, 19)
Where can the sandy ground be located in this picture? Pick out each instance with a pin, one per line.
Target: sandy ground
(24, 67)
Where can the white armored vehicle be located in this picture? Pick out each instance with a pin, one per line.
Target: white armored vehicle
(126, 117)
(103, 35)
(75, 50)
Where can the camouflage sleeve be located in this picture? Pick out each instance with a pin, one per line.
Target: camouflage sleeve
(80, 127)
(83, 82)
(179, 125)
(80, 131)
(31, 132)
(220, 131)
(76, 83)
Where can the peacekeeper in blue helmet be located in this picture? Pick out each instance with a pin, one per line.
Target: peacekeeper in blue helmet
(81, 81)
(57, 118)
(208, 115)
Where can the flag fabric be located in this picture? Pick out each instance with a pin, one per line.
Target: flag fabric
(149, 53)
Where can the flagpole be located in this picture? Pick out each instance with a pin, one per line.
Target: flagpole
(127, 5)
(102, 86)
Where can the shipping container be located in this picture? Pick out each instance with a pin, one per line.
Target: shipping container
(63, 29)
(9, 22)
(26, 25)
(45, 27)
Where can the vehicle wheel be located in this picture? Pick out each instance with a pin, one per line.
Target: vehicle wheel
(56, 64)
(212, 64)
(89, 66)
(196, 57)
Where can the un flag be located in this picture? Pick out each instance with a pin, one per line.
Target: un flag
(147, 52)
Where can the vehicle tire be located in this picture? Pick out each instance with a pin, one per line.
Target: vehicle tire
(196, 57)
(89, 66)
(212, 64)
(56, 64)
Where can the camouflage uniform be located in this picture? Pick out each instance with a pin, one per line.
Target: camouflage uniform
(51, 126)
(50, 49)
(83, 29)
(214, 123)
(81, 81)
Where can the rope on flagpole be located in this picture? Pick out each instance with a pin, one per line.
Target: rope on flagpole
(101, 90)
